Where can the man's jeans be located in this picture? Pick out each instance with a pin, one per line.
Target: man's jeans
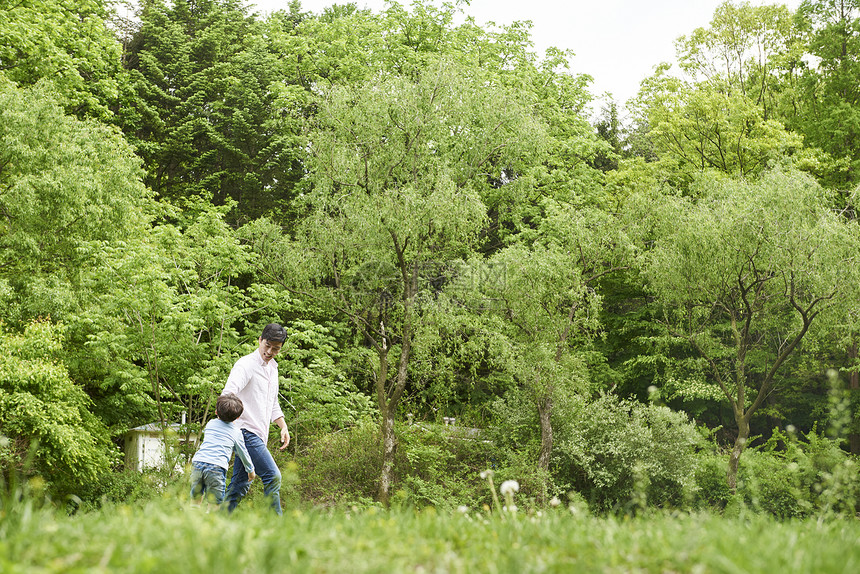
(264, 466)
(208, 480)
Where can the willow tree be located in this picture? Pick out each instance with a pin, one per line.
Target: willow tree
(399, 167)
(744, 275)
(546, 303)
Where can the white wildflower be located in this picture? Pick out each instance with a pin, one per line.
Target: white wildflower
(555, 502)
(509, 487)
(463, 509)
(485, 474)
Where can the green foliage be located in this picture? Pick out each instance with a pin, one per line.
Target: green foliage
(42, 409)
(789, 476)
(826, 106)
(202, 110)
(743, 275)
(165, 336)
(341, 467)
(606, 446)
(65, 45)
(698, 129)
(773, 485)
(711, 487)
(68, 188)
(432, 187)
(441, 467)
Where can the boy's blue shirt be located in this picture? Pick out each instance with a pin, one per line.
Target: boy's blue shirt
(220, 440)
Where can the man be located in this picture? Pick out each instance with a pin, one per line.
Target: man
(254, 379)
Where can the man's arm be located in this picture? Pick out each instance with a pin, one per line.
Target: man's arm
(237, 380)
(285, 433)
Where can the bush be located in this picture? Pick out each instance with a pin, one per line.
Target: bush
(712, 487)
(124, 487)
(441, 467)
(321, 395)
(340, 467)
(768, 483)
(515, 437)
(435, 466)
(787, 477)
(44, 412)
(619, 453)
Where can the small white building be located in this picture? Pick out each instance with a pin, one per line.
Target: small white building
(145, 446)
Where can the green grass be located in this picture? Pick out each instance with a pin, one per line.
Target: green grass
(167, 536)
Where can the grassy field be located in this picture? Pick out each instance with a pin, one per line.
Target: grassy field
(167, 536)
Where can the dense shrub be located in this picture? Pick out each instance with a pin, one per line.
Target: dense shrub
(45, 416)
(792, 476)
(618, 452)
(435, 466)
(321, 396)
(441, 467)
(712, 489)
(339, 467)
(768, 483)
(515, 435)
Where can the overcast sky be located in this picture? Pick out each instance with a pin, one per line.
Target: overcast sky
(617, 42)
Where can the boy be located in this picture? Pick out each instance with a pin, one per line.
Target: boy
(220, 438)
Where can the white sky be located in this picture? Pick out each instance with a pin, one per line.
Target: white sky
(617, 42)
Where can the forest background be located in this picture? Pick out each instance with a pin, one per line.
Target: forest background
(620, 309)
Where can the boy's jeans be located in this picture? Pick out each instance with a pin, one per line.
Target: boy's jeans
(208, 480)
(264, 466)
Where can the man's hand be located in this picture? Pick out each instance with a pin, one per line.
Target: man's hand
(285, 438)
(252, 475)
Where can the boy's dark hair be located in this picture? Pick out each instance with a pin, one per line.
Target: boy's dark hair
(274, 332)
(229, 407)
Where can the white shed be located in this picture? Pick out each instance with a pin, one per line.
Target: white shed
(145, 446)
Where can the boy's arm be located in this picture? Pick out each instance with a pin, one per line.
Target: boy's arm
(242, 453)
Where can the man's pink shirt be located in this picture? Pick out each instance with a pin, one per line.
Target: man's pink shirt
(256, 383)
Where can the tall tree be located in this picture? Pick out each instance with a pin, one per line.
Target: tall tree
(46, 415)
(171, 319)
(399, 166)
(548, 304)
(746, 49)
(744, 274)
(64, 43)
(204, 117)
(726, 110)
(68, 188)
(829, 104)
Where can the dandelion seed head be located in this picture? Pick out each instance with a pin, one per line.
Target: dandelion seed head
(509, 487)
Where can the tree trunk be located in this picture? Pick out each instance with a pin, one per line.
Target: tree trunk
(387, 424)
(545, 413)
(740, 445)
(389, 448)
